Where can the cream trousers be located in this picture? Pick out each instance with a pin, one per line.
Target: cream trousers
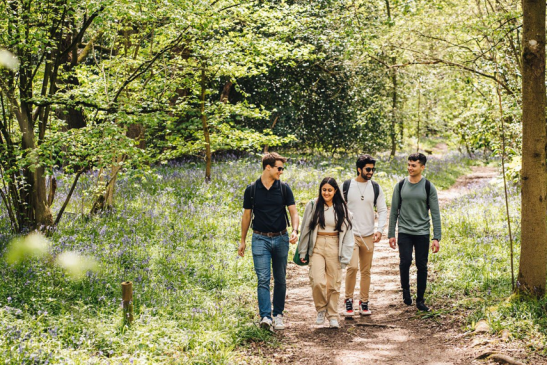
(363, 250)
(326, 275)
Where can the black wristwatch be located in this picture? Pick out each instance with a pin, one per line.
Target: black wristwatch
(296, 230)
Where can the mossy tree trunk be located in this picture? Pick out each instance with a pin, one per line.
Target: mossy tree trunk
(532, 266)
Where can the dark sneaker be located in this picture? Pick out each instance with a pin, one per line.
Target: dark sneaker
(364, 309)
(421, 306)
(349, 303)
(407, 297)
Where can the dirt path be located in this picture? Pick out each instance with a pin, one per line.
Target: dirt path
(394, 334)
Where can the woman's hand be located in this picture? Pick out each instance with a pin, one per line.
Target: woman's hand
(303, 261)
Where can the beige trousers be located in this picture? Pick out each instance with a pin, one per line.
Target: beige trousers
(326, 275)
(363, 250)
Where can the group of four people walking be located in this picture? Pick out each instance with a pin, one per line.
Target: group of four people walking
(338, 231)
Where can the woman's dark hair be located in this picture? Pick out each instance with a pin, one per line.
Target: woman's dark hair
(339, 205)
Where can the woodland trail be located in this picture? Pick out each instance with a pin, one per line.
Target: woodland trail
(394, 334)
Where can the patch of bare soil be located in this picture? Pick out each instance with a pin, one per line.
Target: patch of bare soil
(393, 334)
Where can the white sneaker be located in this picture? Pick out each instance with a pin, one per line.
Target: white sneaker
(320, 319)
(266, 323)
(333, 323)
(279, 322)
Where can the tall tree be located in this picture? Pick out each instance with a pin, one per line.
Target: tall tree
(532, 268)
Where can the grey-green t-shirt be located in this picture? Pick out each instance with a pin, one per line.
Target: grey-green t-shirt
(414, 218)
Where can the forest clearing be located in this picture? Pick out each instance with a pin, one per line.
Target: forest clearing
(130, 132)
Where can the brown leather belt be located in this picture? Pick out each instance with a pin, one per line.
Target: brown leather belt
(328, 234)
(271, 234)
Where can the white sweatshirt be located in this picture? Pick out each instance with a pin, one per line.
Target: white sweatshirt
(363, 210)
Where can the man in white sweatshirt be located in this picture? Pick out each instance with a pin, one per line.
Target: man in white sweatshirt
(363, 195)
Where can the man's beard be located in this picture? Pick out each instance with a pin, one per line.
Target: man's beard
(366, 177)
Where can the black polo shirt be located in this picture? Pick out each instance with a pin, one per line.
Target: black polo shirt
(269, 212)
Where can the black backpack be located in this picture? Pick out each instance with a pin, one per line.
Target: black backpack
(284, 187)
(426, 186)
(376, 190)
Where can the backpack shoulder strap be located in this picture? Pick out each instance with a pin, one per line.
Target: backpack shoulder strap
(283, 189)
(376, 191)
(346, 187)
(400, 186)
(284, 193)
(253, 187)
(427, 187)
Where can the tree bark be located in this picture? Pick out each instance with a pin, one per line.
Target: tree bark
(532, 265)
(205, 127)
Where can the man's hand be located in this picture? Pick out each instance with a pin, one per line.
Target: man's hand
(294, 237)
(377, 237)
(392, 242)
(241, 249)
(435, 246)
(303, 261)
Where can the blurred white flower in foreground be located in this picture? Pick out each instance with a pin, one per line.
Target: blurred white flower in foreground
(75, 264)
(33, 246)
(8, 60)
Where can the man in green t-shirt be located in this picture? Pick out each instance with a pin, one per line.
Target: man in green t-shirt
(411, 200)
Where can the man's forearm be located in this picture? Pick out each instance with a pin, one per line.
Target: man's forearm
(245, 226)
(295, 221)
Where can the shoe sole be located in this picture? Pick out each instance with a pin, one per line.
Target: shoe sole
(330, 326)
(346, 314)
(365, 313)
(279, 328)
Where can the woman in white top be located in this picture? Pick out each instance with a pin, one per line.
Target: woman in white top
(326, 236)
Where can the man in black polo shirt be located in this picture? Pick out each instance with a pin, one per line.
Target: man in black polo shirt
(265, 201)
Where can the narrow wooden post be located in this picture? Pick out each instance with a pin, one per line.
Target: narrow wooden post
(127, 301)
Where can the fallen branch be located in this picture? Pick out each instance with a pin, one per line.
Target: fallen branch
(500, 358)
(383, 325)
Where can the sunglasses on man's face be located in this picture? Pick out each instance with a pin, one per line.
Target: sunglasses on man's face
(279, 168)
(369, 169)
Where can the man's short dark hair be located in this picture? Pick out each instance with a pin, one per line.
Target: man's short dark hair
(417, 157)
(364, 160)
(269, 159)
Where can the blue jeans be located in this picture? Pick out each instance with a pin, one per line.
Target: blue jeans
(267, 250)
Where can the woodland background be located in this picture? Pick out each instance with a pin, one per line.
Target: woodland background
(107, 105)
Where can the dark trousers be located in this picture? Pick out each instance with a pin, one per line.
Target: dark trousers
(421, 243)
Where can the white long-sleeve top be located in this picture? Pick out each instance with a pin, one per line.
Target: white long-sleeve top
(363, 210)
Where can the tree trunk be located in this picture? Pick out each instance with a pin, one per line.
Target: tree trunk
(532, 265)
(419, 118)
(205, 127)
(394, 109)
(265, 149)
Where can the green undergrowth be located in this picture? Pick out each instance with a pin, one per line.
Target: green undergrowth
(472, 272)
(175, 237)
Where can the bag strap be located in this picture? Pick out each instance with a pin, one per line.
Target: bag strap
(346, 186)
(376, 191)
(400, 186)
(427, 187)
(283, 188)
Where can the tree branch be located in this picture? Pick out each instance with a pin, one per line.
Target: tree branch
(78, 39)
(61, 211)
(145, 66)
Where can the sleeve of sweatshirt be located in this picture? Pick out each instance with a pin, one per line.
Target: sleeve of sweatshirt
(382, 211)
(304, 239)
(394, 212)
(435, 212)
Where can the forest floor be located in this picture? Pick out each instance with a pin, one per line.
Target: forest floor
(394, 333)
